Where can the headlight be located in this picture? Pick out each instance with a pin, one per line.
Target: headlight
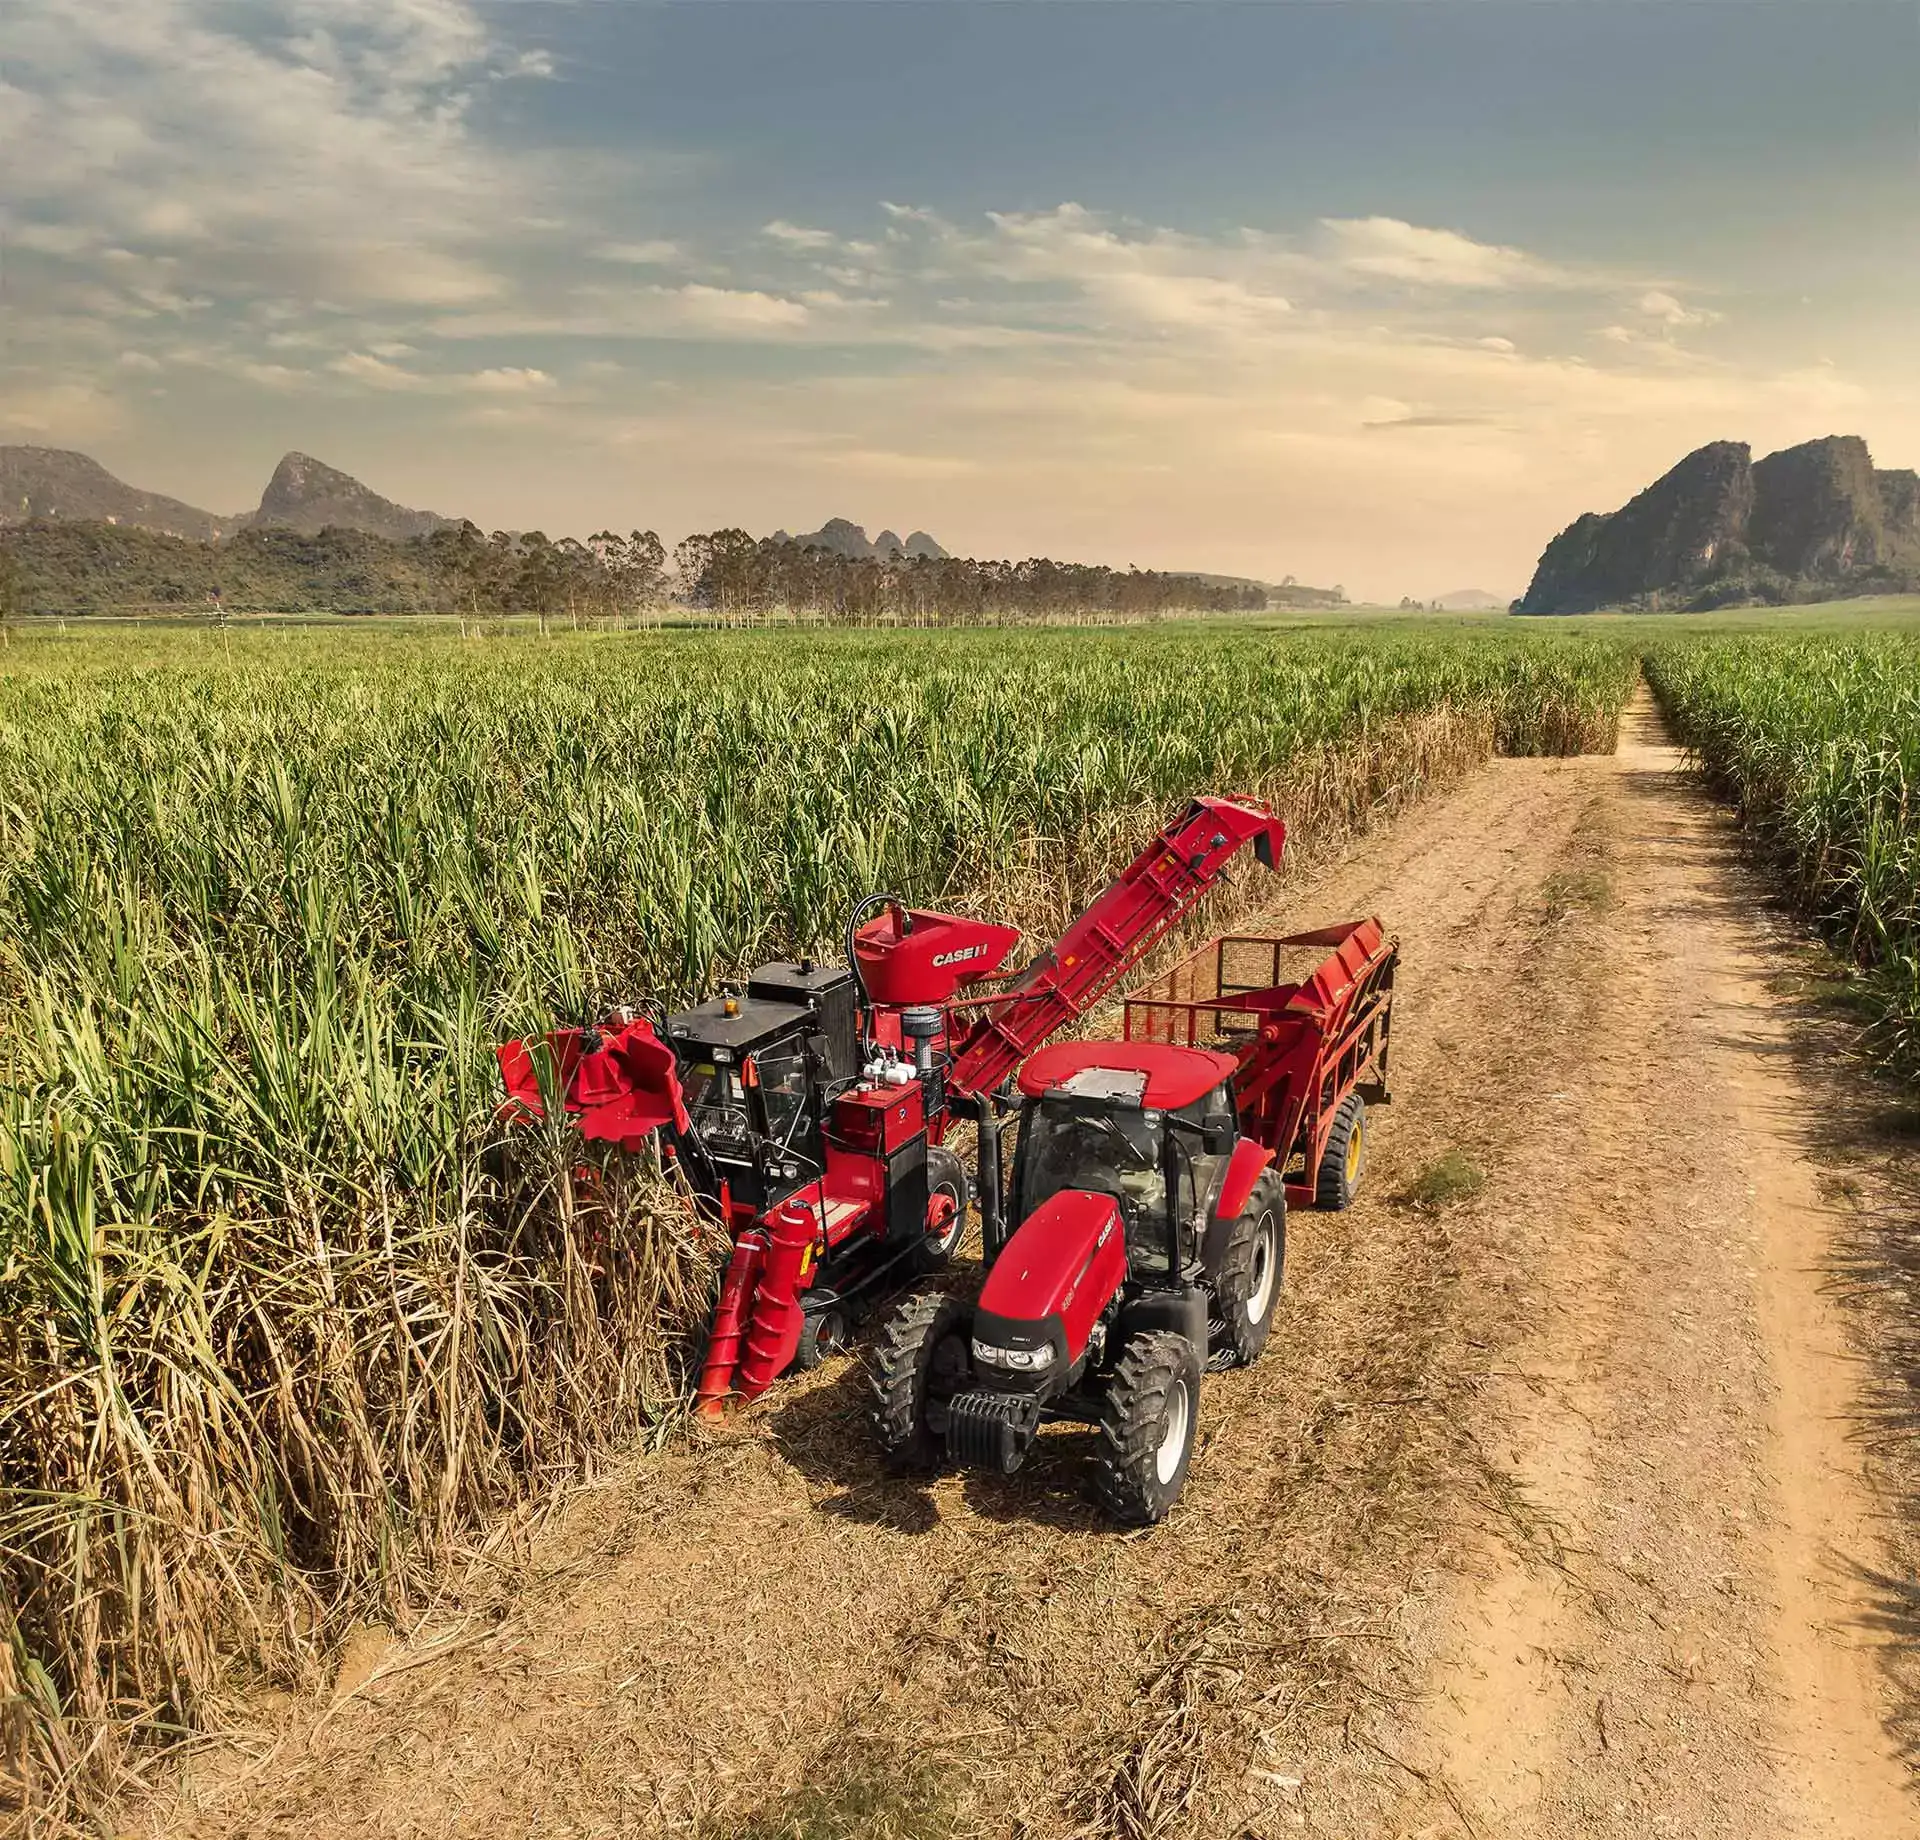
(1028, 1360)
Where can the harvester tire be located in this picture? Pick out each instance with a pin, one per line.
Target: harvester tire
(1147, 1425)
(821, 1334)
(1345, 1159)
(946, 1175)
(920, 1361)
(1252, 1265)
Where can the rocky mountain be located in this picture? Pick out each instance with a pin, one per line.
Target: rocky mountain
(1721, 529)
(303, 495)
(50, 482)
(843, 537)
(309, 496)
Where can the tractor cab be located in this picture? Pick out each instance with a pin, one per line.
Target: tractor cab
(1148, 1124)
(754, 1065)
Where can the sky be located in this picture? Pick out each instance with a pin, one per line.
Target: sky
(1370, 293)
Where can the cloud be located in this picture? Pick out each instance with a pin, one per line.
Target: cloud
(1389, 248)
(364, 367)
(1658, 304)
(797, 236)
(654, 252)
(509, 380)
(294, 148)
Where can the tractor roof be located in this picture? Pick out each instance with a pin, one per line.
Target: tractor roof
(1165, 1077)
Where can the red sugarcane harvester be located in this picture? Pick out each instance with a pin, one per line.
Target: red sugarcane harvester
(809, 1111)
(1151, 1177)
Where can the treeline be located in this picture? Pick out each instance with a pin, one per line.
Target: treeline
(69, 567)
(738, 576)
(55, 566)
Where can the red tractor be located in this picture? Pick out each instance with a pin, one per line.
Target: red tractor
(809, 1111)
(1150, 1184)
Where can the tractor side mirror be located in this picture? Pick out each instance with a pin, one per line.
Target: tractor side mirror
(1219, 1131)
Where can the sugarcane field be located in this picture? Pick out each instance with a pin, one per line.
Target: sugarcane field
(959, 921)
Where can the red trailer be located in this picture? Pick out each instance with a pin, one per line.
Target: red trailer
(1311, 1051)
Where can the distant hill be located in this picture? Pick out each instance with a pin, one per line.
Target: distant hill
(1719, 530)
(1470, 600)
(304, 495)
(843, 537)
(51, 482)
(308, 496)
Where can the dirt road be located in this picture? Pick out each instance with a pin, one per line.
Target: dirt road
(1540, 1517)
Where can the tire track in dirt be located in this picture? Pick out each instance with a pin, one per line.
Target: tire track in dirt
(1679, 1641)
(768, 1636)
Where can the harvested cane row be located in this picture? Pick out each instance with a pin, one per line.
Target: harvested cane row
(284, 1326)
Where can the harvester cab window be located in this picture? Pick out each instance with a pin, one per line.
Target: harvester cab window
(782, 1070)
(717, 1099)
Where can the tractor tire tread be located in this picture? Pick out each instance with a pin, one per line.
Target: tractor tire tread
(897, 1373)
(1128, 1483)
(1232, 1339)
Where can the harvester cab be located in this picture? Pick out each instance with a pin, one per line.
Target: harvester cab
(755, 1068)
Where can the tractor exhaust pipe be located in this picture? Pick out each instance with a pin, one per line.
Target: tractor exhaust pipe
(988, 1157)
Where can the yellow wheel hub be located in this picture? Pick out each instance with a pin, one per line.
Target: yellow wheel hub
(1356, 1152)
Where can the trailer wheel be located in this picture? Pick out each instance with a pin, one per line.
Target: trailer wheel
(1251, 1268)
(946, 1210)
(1147, 1425)
(821, 1334)
(1345, 1157)
(920, 1362)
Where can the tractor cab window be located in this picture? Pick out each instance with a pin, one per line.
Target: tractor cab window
(782, 1074)
(1103, 1149)
(1201, 1172)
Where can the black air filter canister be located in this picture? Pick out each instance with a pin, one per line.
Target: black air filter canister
(919, 1024)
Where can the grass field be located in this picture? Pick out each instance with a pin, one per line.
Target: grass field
(280, 1327)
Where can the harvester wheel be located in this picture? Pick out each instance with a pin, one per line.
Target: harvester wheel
(946, 1210)
(1345, 1157)
(1251, 1267)
(1147, 1424)
(822, 1333)
(920, 1362)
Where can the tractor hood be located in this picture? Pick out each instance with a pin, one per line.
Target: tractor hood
(1055, 1275)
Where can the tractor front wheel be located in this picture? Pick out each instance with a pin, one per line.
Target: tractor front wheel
(920, 1362)
(1251, 1267)
(1147, 1425)
(946, 1209)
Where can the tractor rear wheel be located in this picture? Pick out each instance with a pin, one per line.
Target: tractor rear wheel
(946, 1210)
(919, 1363)
(1251, 1268)
(1345, 1158)
(1147, 1425)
